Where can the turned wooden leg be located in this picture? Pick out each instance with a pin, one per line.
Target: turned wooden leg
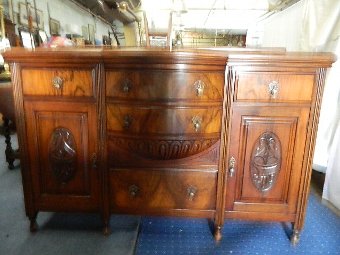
(295, 237)
(33, 223)
(218, 233)
(9, 152)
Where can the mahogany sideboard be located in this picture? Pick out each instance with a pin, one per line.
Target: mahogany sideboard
(195, 133)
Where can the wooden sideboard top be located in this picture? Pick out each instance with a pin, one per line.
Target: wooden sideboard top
(160, 55)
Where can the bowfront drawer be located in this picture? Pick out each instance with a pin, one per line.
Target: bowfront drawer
(274, 87)
(165, 85)
(145, 190)
(58, 82)
(163, 120)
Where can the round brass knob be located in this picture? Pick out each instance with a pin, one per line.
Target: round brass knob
(133, 191)
(197, 122)
(273, 89)
(199, 86)
(126, 86)
(191, 192)
(57, 82)
(127, 121)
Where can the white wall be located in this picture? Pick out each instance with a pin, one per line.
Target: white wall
(282, 29)
(71, 17)
(313, 25)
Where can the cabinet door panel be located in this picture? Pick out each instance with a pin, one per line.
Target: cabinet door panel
(61, 154)
(268, 152)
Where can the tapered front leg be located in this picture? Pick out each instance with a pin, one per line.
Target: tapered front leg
(218, 233)
(33, 223)
(295, 237)
(106, 225)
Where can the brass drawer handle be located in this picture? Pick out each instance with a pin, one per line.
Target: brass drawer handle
(199, 86)
(197, 121)
(127, 122)
(232, 163)
(273, 89)
(133, 191)
(57, 82)
(191, 192)
(126, 86)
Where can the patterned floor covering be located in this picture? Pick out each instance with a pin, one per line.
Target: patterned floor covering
(321, 235)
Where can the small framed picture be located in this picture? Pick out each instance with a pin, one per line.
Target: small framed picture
(35, 14)
(85, 32)
(54, 27)
(43, 36)
(27, 39)
(91, 33)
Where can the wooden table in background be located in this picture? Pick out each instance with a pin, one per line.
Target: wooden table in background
(7, 111)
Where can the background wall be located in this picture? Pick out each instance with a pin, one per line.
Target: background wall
(70, 16)
(313, 25)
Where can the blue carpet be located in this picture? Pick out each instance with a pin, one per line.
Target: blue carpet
(163, 235)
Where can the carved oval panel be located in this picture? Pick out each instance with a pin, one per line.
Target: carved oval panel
(62, 154)
(265, 161)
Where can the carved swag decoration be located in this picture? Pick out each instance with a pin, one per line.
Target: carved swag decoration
(266, 161)
(62, 154)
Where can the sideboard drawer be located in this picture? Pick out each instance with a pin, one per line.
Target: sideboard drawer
(274, 87)
(165, 85)
(58, 82)
(163, 120)
(143, 190)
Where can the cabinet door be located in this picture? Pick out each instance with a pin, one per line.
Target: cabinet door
(265, 161)
(62, 155)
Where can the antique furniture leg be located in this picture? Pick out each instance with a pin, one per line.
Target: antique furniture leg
(9, 152)
(33, 223)
(106, 227)
(218, 233)
(295, 237)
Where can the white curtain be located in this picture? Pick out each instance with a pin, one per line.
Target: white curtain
(313, 25)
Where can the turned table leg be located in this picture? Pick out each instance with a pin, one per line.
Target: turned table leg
(9, 152)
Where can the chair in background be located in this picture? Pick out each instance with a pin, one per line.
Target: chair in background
(7, 111)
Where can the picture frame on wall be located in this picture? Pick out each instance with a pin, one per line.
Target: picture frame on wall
(54, 27)
(91, 33)
(16, 17)
(37, 16)
(27, 39)
(85, 32)
(43, 36)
